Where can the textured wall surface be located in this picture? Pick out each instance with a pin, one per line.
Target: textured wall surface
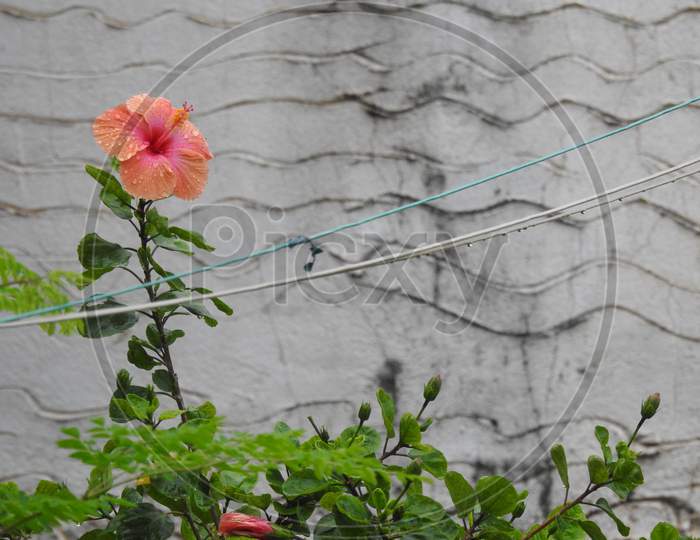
(329, 118)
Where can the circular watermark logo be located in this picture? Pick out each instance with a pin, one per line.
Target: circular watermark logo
(234, 233)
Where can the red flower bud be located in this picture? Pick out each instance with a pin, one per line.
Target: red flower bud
(235, 524)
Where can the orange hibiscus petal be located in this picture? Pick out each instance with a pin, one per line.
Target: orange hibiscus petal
(191, 171)
(119, 133)
(158, 111)
(187, 136)
(148, 175)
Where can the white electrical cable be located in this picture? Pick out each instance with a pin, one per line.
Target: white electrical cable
(579, 206)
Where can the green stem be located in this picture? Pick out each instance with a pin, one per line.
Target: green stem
(635, 432)
(578, 500)
(157, 316)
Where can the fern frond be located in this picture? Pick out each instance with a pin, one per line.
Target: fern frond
(22, 290)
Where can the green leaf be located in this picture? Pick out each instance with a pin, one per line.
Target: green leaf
(222, 306)
(112, 201)
(139, 407)
(274, 479)
(377, 499)
(100, 480)
(409, 430)
(627, 475)
(431, 458)
(665, 531)
(172, 243)
(153, 335)
(496, 494)
(327, 502)
(156, 223)
(597, 470)
(352, 508)
(192, 237)
(98, 534)
(303, 483)
(559, 458)
(163, 380)
(603, 436)
(114, 197)
(138, 356)
(106, 325)
(204, 411)
(169, 414)
(386, 404)
(96, 253)
(461, 492)
(175, 283)
(142, 522)
(195, 307)
(592, 529)
(367, 437)
(603, 504)
(102, 177)
(424, 507)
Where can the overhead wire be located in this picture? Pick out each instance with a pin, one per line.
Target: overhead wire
(297, 240)
(598, 200)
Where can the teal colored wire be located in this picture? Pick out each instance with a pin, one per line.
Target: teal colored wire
(295, 241)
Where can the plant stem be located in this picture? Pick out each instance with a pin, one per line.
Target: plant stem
(635, 432)
(158, 317)
(578, 500)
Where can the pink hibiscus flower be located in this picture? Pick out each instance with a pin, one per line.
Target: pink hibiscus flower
(160, 151)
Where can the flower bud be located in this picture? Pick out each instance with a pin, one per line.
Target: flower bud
(432, 388)
(236, 524)
(123, 381)
(325, 437)
(364, 412)
(650, 406)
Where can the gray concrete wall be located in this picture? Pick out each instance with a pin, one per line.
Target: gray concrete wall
(334, 117)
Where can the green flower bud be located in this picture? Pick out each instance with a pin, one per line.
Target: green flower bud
(123, 381)
(415, 467)
(364, 412)
(432, 388)
(519, 510)
(650, 405)
(325, 437)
